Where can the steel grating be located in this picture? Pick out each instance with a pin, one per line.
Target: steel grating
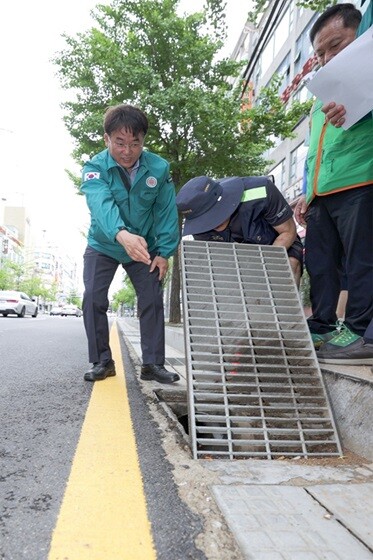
(254, 384)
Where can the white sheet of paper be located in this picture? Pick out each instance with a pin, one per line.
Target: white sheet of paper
(347, 79)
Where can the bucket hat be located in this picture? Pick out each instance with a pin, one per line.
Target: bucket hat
(206, 203)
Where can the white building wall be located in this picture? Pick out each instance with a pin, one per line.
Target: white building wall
(281, 48)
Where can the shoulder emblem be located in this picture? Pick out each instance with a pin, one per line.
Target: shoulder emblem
(91, 175)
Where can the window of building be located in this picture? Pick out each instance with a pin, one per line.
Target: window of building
(267, 55)
(45, 266)
(277, 39)
(297, 160)
(284, 71)
(303, 48)
(302, 94)
(257, 75)
(276, 141)
(285, 26)
(278, 173)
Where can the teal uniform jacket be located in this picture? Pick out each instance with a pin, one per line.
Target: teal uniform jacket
(148, 209)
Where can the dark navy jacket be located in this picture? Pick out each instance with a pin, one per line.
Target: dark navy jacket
(262, 206)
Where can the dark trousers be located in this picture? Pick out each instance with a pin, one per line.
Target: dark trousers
(98, 273)
(368, 335)
(340, 224)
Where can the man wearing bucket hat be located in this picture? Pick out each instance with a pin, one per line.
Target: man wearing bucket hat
(240, 210)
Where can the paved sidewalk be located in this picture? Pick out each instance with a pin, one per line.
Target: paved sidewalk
(281, 510)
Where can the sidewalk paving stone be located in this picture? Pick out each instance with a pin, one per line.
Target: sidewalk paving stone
(286, 511)
(352, 505)
(287, 523)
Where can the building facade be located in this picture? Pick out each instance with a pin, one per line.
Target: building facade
(280, 45)
(11, 247)
(37, 254)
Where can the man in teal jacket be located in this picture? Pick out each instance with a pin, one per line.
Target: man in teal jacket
(131, 198)
(338, 207)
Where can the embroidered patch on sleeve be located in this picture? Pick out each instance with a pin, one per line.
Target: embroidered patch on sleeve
(91, 175)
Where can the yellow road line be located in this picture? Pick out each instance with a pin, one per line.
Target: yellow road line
(103, 514)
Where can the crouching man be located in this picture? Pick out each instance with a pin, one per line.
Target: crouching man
(240, 210)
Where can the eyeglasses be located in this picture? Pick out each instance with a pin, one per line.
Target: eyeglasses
(130, 146)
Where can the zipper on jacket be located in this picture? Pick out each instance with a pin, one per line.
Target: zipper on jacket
(126, 183)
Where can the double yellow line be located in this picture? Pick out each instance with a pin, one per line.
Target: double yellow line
(103, 514)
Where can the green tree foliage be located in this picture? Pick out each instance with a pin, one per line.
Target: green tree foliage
(145, 54)
(271, 113)
(22, 277)
(6, 275)
(125, 297)
(32, 285)
(74, 299)
(305, 289)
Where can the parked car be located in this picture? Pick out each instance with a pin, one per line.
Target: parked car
(55, 311)
(17, 303)
(70, 309)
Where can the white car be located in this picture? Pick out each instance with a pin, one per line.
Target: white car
(17, 303)
(55, 311)
(70, 309)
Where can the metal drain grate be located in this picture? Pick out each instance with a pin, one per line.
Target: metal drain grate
(254, 384)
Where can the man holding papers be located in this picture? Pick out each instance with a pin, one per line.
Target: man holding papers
(338, 207)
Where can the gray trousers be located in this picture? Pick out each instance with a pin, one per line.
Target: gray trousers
(98, 273)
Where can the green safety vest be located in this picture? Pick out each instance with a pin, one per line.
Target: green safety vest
(338, 159)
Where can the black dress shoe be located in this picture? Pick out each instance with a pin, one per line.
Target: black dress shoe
(100, 371)
(155, 372)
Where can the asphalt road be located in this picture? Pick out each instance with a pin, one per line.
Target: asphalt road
(43, 402)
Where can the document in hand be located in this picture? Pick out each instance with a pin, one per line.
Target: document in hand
(347, 79)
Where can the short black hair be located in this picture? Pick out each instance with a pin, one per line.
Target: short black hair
(124, 116)
(350, 16)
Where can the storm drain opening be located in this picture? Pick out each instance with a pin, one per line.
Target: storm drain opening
(254, 386)
(176, 405)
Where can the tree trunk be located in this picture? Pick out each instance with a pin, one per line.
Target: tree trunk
(175, 309)
(175, 292)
